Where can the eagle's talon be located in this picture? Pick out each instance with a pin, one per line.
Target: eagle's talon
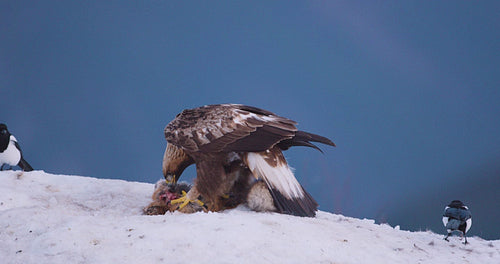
(184, 200)
(200, 203)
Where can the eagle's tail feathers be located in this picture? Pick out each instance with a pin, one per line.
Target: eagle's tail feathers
(288, 195)
(304, 206)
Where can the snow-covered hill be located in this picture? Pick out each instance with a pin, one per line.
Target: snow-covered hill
(46, 218)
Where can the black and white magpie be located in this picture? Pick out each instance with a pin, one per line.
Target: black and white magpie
(457, 217)
(10, 152)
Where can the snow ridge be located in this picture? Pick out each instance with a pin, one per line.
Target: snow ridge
(47, 218)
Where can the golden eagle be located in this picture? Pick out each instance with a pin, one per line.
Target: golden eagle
(228, 142)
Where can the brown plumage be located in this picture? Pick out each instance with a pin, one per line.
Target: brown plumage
(228, 142)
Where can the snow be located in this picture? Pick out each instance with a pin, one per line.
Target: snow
(47, 218)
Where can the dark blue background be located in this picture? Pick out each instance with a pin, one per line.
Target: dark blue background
(409, 91)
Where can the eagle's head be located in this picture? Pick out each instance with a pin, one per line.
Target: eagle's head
(175, 160)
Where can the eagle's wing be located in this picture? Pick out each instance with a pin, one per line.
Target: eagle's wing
(228, 127)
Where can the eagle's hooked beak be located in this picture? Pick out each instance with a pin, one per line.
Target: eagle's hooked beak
(170, 178)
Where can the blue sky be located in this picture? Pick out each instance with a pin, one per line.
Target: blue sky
(408, 90)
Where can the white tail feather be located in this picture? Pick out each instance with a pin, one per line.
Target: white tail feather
(280, 177)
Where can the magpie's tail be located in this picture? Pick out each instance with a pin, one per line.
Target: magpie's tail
(25, 165)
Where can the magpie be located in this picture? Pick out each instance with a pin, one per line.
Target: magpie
(457, 217)
(10, 152)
